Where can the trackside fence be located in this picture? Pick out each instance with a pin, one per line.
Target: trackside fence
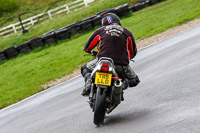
(66, 8)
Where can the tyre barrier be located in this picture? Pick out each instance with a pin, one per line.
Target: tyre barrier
(49, 38)
(62, 34)
(2, 56)
(74, 28)
(139, 6)
(146, 3)
(96, 21)
(122, 10)
(87, 24)
(152, 2)
(91, 20)
(11, 52)
(36, 42)
(23, 48)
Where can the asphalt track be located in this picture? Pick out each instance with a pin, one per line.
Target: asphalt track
(166, 101)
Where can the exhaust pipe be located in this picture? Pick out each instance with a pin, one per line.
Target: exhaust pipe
(117, 83)
(117, 92)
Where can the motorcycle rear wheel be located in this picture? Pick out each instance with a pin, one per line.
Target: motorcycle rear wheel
(100, 107)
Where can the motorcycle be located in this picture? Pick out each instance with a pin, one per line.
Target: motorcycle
(106, 90)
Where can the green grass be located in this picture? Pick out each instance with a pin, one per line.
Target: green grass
(25, 74)
(21, 77)
(60, 21)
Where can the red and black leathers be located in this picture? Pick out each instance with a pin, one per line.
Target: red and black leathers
(114, 41)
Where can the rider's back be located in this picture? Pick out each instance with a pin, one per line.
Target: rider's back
(115, 42)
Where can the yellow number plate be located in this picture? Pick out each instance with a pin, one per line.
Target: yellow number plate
(103, 79)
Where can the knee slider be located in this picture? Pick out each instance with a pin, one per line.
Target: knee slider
(134, 82)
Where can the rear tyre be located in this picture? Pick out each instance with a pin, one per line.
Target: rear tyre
(100, 107)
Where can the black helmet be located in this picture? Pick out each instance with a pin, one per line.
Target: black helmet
(110, 18)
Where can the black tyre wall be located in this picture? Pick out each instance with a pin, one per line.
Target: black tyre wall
(11, 52)
(96, 21)
(138, 6)
(152, 2)
(146, 3)
(23, 48)
(2, 56)
(122, 10)
(124, 13)
(74, 28)
(35, 43)
(62, 34)
(49, 38)
(86, 25)
(48, 33)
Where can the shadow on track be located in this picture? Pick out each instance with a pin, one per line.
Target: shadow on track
(126, 117)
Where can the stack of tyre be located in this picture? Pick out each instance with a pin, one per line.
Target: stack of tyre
(23, 48)
(2, 56)
(140, 5)
(62, 33)
(10, 52)
(122, 10)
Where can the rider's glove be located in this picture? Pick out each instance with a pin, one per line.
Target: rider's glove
(94, 52)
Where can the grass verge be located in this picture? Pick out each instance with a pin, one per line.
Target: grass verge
(21, 77)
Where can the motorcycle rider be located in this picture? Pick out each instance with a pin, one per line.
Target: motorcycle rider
(116, 42)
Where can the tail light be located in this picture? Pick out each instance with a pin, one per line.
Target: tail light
(104, 68)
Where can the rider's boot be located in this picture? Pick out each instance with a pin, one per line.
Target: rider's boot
(134, 81)
(88, 84)
(86, 73)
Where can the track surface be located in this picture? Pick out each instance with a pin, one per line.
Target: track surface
(166, 101)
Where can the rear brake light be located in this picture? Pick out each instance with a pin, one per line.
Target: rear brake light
(104, 68)
(105, 65)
